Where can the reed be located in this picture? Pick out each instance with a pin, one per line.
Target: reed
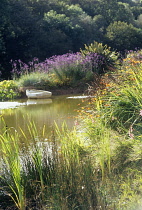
(75, 171)
(68, 172)
(12, 168)
(113, 131)
(126, 101)
(57, 173)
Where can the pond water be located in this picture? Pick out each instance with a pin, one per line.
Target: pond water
(18, 114)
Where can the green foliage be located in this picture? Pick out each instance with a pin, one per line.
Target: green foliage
(122, 101)
(139, 21)
(56, 20)
(123, 36)
(8, 90)
(73, 75)
(124, 13)
(99, 23)
(137, 10)
(116, 158)
(73, 22)
(114, 11)
(39, 80)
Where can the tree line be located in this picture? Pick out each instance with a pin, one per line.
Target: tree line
(43, 28)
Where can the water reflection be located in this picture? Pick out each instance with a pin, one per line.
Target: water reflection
(38, 101)
(42, 112)
(11, 104)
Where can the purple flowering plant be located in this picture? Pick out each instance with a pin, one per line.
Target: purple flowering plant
(69, 67)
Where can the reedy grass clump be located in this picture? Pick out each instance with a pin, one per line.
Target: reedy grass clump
(116, 156)
(12, 182)
(39, 80)
(53, 174)
(121, 99)
(114, 131)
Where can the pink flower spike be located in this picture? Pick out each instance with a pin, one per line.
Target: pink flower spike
(141, 112)
(131, 135)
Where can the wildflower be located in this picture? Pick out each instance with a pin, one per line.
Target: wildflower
(76, 122)
(141, 112)
(131, 135)
(113, 118)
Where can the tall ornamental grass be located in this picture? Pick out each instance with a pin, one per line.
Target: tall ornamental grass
(122, 99)
(117, 159)
(11, 178)
(113, 128)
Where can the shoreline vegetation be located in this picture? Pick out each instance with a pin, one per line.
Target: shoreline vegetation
(67, 73)
(96, 165)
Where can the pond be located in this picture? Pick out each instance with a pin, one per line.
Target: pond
(43, 112)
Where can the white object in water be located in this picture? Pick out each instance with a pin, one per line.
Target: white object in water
(38, 94)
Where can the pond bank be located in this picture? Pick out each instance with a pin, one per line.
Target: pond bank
(59, 91)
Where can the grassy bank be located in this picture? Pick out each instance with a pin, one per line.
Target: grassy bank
(97, 165)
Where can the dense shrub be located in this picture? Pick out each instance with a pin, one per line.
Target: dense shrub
(8, 90)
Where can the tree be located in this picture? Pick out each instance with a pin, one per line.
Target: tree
(4, 32)
(139, 21)
(124, 13)
(74, 23)
(136, 10)
(122, 36)
(99, 24)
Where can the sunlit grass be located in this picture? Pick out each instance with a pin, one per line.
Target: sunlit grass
(96, 165)
(114, 131)
(12, 169)
(39, 80)
(48, 173)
